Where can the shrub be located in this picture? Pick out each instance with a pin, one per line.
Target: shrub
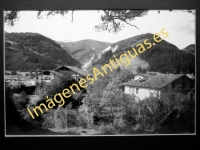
(107, 129)
(65, 117)
(138, 128)
(82, 121)
(72, 118)
(48, 123)
(60, 118)
(22, 119)
(86, 114)
(129, 116)
(120, 125)
(107, 119)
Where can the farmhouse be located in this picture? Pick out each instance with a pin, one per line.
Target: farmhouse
(159, 85)
(75, 72)
(46, 76)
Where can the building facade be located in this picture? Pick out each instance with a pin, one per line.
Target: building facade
(160, 86)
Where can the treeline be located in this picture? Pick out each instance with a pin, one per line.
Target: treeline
(163, 57)
(29, 39)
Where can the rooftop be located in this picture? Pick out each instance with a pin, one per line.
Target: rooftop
(156, 82)
(52, 71)
(146, 75)
(75, 69)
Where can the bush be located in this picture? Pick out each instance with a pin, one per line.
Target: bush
(129, 117)
(137, 129)
(87, 115)
(83, 122)
(48, 123)
(107, 129)
(65, 117)
(20, 117)
(120, 125)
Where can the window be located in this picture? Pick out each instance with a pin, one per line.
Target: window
(136, 90)
(37, 78)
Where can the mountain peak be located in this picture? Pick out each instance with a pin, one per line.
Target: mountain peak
(190, 49)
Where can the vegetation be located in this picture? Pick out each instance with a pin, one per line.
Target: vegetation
(190, 48)
(111, 20)
(16, 111)
(35, 51)
(163, 57)
(107, 110)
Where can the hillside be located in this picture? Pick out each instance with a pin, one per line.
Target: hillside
(163, 57)
(28, 51)
(190, 49)
(84, 49)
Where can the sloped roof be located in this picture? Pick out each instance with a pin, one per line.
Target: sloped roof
(155, 82)
(191, 76)
(146, 75)
(75, 69)
(52, 71)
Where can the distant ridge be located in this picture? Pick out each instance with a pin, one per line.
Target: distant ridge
(84, 49)
(190, 49)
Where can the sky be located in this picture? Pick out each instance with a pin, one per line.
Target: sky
(180, 26)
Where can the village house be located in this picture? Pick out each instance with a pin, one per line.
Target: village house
(46, 76)
(75, 72)
(159, 86)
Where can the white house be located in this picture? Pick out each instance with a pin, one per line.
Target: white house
(141, 92)
(157, 86)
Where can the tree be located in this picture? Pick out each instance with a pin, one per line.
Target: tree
(126, 75)
(139, 69)
(111, 20)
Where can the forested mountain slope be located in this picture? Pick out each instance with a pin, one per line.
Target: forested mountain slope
(162, 57)
(28, 51)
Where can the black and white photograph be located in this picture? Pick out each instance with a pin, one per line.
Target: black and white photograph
(108, 72)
